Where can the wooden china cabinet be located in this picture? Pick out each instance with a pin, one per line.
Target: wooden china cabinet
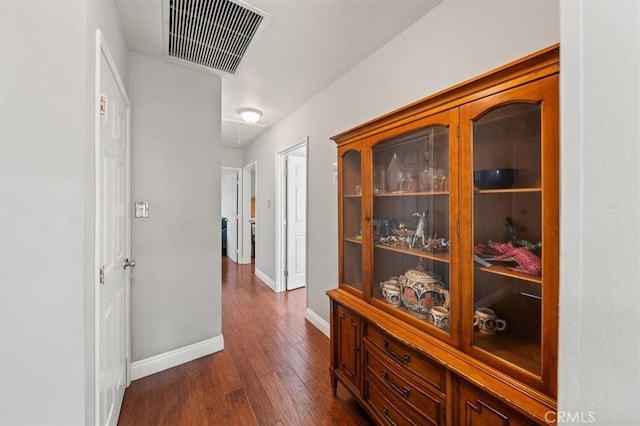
(447, 306)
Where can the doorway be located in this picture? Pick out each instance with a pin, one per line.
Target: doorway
(292, 216)
(249, 222)
(112, 243)
(229, 209)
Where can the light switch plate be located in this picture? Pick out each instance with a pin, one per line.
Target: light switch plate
(142, 209)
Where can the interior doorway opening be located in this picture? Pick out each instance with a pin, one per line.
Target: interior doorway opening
(249, 218)
(231, 179)
(291, 258)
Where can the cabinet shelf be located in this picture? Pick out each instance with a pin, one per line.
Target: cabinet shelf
(352, 196)
(505, 271)
(411, 194)
(353, 240)
(378, 301)
(440, 257)
(510, 348)
(506, 190)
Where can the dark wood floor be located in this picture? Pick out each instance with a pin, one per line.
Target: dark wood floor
(274, 369)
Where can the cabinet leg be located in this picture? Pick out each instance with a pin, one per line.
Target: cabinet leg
(334, 384)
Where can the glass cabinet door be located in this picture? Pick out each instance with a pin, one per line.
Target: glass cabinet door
(351, 214)
(413, 187)
(506, 177)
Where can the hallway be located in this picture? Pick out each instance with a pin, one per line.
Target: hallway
(274, 369)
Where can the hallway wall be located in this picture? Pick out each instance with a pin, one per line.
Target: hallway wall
(47, 110)
(176, 167)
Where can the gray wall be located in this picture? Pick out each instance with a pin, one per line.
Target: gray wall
(232, 157)
(175, 286)
(46, 206)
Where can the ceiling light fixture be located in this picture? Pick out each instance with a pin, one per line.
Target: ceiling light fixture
(250, 115)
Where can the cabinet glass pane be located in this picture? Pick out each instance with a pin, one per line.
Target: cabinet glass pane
(411, 224)
(351, 220)
(507, 227)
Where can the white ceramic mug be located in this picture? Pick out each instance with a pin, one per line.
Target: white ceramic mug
(439, 316)
(487, 321)
(390, 284)
(391, 292)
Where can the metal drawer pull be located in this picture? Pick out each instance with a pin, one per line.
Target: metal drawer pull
(406, 358)
(403, 392)
(386, 416)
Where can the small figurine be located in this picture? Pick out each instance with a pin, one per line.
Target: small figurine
(517, 242)
(528, 263)
(435, 244)
(421, 228)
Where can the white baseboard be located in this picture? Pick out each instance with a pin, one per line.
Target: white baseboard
(318, 322)
(160, 362)
(268, 281)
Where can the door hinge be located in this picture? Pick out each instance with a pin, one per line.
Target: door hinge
(458, 131)
(286, 172)
(286, 274)
(103, 105)
(102, 275)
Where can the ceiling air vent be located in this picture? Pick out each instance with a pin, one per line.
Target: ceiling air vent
(212, 33)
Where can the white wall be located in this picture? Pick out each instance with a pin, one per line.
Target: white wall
(46, 207)
(415, 64)
(599, 357)
(175, 286)
(232, 157)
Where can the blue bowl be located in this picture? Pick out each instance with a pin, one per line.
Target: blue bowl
(494, 178)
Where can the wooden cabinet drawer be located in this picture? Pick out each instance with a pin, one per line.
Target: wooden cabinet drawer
(397, 381)
(427, 370)
(386, 407)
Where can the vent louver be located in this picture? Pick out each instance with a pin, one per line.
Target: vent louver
(212, 33)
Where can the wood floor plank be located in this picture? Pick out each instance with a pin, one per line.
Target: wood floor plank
(257, 396)
(291, 401)
(342, 409)
(273, 370)
(230, 409)
(219, 370)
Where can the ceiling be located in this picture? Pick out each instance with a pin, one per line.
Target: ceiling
(300, 47)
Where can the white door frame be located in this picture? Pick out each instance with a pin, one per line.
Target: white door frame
(102, 48)
(281, 203)
(238, 212)
(244, 227)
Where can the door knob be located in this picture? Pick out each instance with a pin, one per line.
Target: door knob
(129, 263)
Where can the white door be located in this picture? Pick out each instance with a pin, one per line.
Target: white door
(296, 221)
(230, 210)
(112, 241)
